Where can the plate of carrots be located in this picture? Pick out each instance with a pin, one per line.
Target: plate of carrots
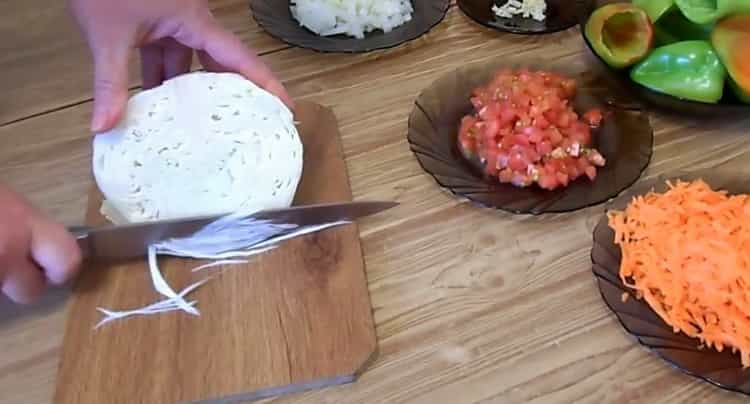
(672, 261)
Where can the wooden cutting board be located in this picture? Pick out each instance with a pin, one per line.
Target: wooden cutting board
(294, 319)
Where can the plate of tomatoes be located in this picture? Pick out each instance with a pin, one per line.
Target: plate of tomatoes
(528, 136)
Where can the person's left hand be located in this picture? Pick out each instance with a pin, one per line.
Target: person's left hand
(167, 32)
(35, 250)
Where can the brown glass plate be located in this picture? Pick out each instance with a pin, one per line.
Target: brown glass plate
(728, 105)
(560, 15)
(275, 18)
(722, 369)
(625, 139)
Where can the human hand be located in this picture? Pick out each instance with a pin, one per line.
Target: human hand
(34, 250)
(167, 33)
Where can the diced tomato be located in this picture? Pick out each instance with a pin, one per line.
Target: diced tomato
(593, 117)
(564, 120)
(524, 76)
(477, 102)
(580, 133)
(583, 164)
(467, 123)
(505, 175)
(544, 147)
(521, 139)
(536, 89)
(517, 162)
(468, 145)
(553, 167)
(551, 115)
(490, 111)
(569, 88)
(505, 131)
(554, 136)
(541, 121)
(502, 160)
(508, 115)
(490, 130)
(526, 130)
(591, 172)
(520, 180)
(507, 142)
(573, 171)
(548, 181)
(533, 134)
(490, 155)
(532, 155)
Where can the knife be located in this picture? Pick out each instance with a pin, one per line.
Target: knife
(132, 240)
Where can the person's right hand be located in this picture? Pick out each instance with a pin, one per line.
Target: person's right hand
(168, 34)
(35, 251)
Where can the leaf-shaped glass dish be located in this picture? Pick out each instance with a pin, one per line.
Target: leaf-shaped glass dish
(625, 139)
(560, 15)
(275, 17)
(722, 369)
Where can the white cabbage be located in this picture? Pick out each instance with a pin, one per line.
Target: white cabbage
(199, 144)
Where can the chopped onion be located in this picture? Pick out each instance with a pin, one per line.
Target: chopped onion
(354, 18)
(526, 8)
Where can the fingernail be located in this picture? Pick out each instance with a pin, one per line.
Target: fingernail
(99, 122)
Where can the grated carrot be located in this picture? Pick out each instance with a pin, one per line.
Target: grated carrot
(687, 253)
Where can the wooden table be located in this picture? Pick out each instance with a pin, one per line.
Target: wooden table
(471, 305)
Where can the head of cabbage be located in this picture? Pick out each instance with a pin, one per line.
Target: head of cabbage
(199, 144)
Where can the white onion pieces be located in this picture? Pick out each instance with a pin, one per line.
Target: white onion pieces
(526, 8)
(351, 17)
(231, 240)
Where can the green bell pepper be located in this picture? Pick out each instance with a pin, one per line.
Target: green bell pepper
(710, 11)
(655, 8)
(674, 27)
(620, 33)
(689, 69)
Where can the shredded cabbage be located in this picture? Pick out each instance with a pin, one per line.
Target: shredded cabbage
(231, 240)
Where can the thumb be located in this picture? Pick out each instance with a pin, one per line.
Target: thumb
(110, 85)
(222, 50)
(54, 250)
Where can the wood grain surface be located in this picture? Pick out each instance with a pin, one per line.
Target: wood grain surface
(471, 305)
(295, 318)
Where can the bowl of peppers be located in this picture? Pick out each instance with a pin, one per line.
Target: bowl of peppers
(690, 56)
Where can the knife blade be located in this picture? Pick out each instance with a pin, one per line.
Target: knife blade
(132, 240)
